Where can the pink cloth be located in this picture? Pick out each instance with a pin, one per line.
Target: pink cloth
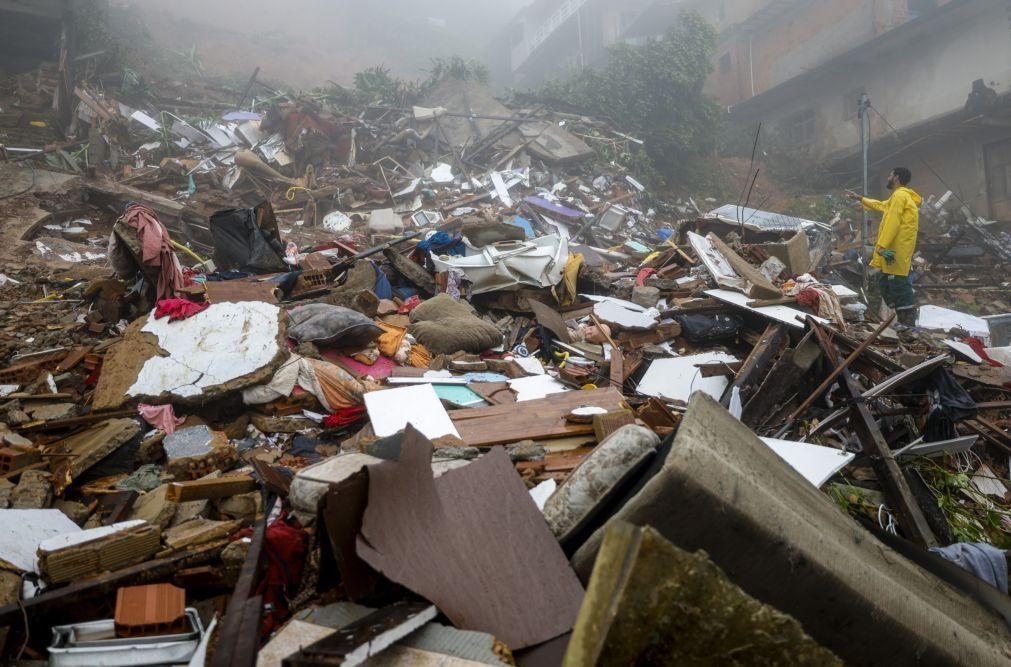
(161, 417)
(179, 309)
(156, 249)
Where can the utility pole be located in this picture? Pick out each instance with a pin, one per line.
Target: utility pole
(865, 140)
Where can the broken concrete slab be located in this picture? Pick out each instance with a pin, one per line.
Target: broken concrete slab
(241, 345)
(87, 448)
(34, 491)
(24, 530)
(722, 490)
(649, 602)
(72, 556)
(154, 508)
(52, 411)
(193, 441)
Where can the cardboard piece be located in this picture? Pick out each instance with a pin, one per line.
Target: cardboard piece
(494, 568)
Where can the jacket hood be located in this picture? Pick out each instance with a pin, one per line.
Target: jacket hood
(917, 199)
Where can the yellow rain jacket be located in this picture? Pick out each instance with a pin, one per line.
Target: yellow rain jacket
(899, 227)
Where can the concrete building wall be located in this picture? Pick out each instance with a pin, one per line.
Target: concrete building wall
(758, 52)
(912, 82)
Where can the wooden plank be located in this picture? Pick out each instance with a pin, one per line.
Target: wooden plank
(209, 489)
(719, 369)
(531, 420)
(357, 642)
(74, 422)
(75, 357)
(617, 370)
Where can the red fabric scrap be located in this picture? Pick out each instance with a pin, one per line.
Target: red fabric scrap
(156, 250)
(409, 305)
(809, 298)
(179, 309)
(640, 280)
(285, 545)
(344, 417)
(979, 348)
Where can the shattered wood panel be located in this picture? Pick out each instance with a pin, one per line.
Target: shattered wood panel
(540, 419)
(234, 291)
(494, 567)
(88, 448)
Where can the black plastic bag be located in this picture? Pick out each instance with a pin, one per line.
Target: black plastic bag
(247, 240)
(705, 328)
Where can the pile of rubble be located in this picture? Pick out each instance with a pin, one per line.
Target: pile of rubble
(440, 384)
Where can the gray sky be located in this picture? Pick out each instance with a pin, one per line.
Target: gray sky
(306, 42)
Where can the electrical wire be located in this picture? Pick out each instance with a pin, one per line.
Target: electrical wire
(24, 614)
(919, 157)
(889, 526)
(25, 191)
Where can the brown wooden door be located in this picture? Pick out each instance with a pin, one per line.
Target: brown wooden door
(998, 179)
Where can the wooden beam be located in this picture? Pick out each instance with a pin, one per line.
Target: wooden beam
(900, 497)
(758, 364)
(209, 489)
(240, 627)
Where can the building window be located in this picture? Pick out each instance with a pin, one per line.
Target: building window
(726, 62)
(851, 102)
(799, 129)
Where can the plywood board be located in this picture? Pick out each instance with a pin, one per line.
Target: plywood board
(542, 419)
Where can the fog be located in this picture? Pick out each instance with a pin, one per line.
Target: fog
(304, 43)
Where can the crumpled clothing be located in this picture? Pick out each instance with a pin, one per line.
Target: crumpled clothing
(285, 544)
(162, 417)
(345, 417)
(454, 282)
(332, 386)
(565, 292)
(156, 250)
(389, 342)
(441, 243)
(420, 356)
(640, 279)
(410, 304)
(985, 561)
(179, 309)
(979, 348)
(822, 300)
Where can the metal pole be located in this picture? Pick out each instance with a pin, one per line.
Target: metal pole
(865, 140)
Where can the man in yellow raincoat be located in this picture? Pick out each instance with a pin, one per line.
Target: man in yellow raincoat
(893, 253)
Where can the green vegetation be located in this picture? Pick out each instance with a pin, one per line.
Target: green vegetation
(655, 92)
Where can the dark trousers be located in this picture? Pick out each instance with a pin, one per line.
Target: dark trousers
(897, 291)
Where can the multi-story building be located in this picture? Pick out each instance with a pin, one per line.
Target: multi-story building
(800, 67)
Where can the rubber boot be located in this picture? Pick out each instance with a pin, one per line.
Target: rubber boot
(907, 316)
